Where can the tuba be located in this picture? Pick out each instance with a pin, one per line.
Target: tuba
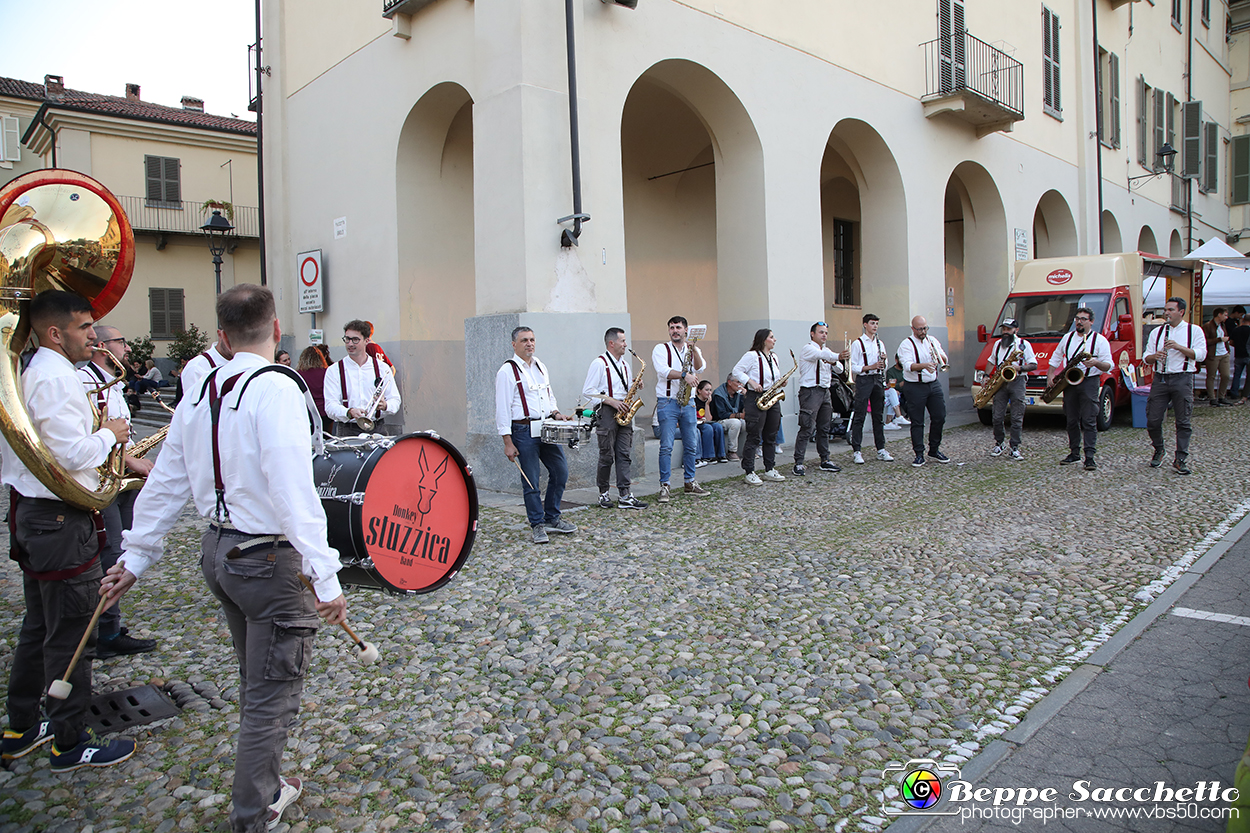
(58, 230)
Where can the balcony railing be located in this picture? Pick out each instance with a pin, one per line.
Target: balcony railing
(981, 84)
(390, 8)
(185, 217)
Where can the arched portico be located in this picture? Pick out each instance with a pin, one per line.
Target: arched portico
(1111, 240)
(1054, 230)
(1146, 241)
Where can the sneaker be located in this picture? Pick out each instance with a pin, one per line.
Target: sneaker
(1157, 460)
(91, 751)
(1180, 467)
(721, 460)
(890, 426)
(540, 534)
(773, 475)
(1016, 455)
(939, 456)
(693, 488)
(996, 451)
(288, 791)
(884, 456)
(919, 461)
(630, 502)
(605, 502)
(561, 526)
(1228, 400)
(902, 420)
(698, 464)
(1215, 403)
(16, 744)
(799, 470)
(753, 479)
(1090, 465)
(1071, 458)
(732, 457)
(663, 498)
(858, 459)
(122, 644)
(829, 465)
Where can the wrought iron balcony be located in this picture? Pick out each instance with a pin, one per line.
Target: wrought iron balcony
(390, 8)
(973, 81)
(184, 217)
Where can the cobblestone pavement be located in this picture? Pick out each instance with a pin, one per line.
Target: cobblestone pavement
(747, 661)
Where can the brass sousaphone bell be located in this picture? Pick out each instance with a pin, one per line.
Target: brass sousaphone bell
(58, 230)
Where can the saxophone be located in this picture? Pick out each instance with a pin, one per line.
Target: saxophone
(1003, 374)
(777, 390)
(1072, 374)
(632, 401)
(687, 366)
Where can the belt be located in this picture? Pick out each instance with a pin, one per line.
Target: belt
(527, 420)
(1177, 373)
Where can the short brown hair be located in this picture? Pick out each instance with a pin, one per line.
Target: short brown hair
(245, 313)
(362, 327)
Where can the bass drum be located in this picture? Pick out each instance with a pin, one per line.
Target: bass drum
(401, 511)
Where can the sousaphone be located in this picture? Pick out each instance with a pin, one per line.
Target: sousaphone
(58, 230)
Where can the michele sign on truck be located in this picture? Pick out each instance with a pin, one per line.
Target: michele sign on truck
(1058, 277)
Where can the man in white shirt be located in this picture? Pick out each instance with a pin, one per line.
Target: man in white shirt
(815, 403)
(56, 544)
(609, 380)
(1011, 392)
(922, 358)
(194, 371)
(868, 363)
(523, 399)
(243, 454)
(1080, 401)
(352, 383)
(108, 356)
(669, 360)
(1175, 350)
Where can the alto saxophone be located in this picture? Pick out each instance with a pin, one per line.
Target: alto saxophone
(687, 366)
(776, 392)
(632, 401)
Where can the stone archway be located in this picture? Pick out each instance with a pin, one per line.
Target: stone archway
(1111, 240)
(1054, 230)
(1146, 241)
(1176, 247)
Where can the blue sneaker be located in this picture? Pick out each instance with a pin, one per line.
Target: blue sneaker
(16, 744)
(91, 751)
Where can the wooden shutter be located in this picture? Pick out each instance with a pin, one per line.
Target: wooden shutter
(1051, 99)
(1169, 115)
(10, 140)
(1113, 66)
(1211, 162)
(1143, 122)
(1192, 152)
(166, 312)
(1160, 135)
(952, 47)
(173, 180)
(1239, 187)
(175, 310)
(153, 168)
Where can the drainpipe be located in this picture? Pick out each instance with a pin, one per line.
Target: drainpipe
(1099, 116)
(569, 237)
(1189, 96)
(260, 149)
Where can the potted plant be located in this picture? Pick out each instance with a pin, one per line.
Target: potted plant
(226, 208)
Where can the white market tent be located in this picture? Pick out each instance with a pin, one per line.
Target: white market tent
(1225, 280)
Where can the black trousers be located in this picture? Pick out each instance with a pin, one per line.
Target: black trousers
(761, 427)
(869, 390)
(1080, 406)
(921, 397)
(1177, 390)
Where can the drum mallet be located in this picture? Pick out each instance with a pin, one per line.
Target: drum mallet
(61, 688)
(365, 652)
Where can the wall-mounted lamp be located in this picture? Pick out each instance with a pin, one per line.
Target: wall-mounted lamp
(1163, 165)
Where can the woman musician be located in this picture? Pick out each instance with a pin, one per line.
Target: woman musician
(757, 370)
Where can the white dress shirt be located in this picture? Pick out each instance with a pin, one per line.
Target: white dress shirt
(1176, 362)
(917, 351)
(539, 400)
(756, 367)
(63, 419)
(1073, 344)
(266, 466)
(607, 376)
(361, 383)
(93, 378)
(865, 352)
(194, 371)
(665, 358)
(811, 374)
(1001, 352)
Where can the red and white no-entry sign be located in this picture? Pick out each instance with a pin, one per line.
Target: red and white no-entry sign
(311, 281)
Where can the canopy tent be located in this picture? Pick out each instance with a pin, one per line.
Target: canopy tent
(1225, 279)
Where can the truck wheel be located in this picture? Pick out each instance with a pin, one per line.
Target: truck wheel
(986, 416)
(1106, 407)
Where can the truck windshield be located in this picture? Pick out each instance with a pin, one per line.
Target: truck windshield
(1052, 315)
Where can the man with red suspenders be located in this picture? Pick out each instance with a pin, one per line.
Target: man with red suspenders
(352, 384)
(609, 379)
(194, 371)
(1175, 349)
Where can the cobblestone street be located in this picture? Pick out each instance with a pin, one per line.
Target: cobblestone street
(747, 661)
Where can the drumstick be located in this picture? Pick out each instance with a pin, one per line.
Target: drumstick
(365, 652)
(61, 688)
(522, 471)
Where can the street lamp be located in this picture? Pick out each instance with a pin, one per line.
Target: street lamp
(216, 230)
(1163, 165)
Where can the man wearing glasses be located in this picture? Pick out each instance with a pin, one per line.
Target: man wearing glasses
(1080, 401)
(1175, 349)
(922, 358)
(815, 403)
(359, 386)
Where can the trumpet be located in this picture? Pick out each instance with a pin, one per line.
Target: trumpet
(367, 422)
(937, 356)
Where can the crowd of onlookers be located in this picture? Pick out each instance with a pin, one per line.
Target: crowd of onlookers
(1227, 356)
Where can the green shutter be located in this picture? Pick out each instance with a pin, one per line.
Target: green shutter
(1240, 185)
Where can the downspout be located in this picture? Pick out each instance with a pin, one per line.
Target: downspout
(569, 236)
(1098, 119)
(260, 149)
(1189, 96)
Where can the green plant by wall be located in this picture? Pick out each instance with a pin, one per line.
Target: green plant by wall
(187, 344)
(141, 349)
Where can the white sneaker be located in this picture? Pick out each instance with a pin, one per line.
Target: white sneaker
(996, 451)
(902, 420)
(289, 790)
(773, 475)
(890, 426)
(858, 458)
(753, 479)
(1016, 455)
(884, 456)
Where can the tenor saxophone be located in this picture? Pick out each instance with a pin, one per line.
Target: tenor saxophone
(1003, 374)
(687, 366)
(632, 401)
(776, 392)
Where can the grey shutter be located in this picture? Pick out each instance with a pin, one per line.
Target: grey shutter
(1050, 62)
(1169, 116)
(1239, 190)
(1054, 62)
(152, 172)
(1113, 64)
(11, 140)
(951, 45)
(157, 312)
(1160, 136)
(173, 183)
(1191, 125)
(1143, 129)
(1211, 164)
(1100, 114)
(175, 310)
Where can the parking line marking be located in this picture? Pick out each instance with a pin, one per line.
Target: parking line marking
(1190, 613)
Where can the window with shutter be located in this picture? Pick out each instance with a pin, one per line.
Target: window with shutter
(1169, 113)
(844, 262)
(1211, 162)
(1143, 122)
(1192, 151)
(10, 140)
(1239, 186)
(1051, 101)
(1176, 15)
(952, 45)
(1159, 128)
(166, 312)
(1113, 66)
(1100, 91)
(164, 181)
(1206, 13)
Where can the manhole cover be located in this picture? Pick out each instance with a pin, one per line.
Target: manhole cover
(114, 711)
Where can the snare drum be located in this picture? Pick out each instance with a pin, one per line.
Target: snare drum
(402, 512)
(563, 432)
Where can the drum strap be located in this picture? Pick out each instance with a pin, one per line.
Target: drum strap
(314, 418)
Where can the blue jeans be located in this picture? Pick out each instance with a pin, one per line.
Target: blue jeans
(1239, 367)
(531, 451)
(711, 440)
(672, 418)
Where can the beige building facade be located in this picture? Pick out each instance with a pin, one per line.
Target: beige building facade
(744, 164)
(162, 163)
